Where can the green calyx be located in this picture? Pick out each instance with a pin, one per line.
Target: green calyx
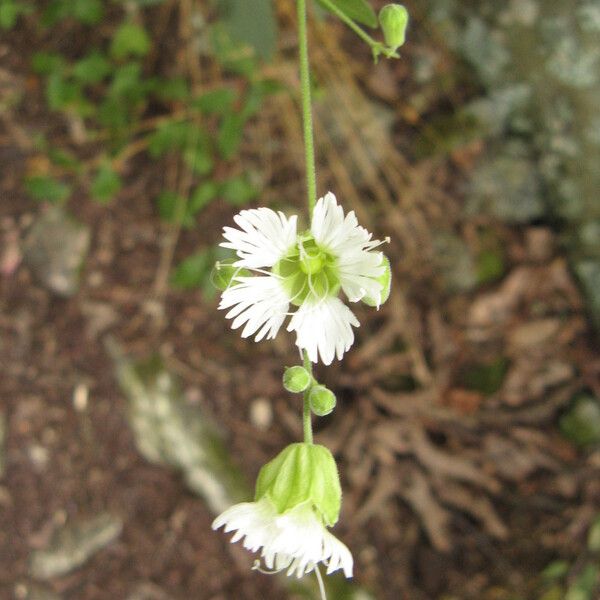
(385, 279)
(393, 19)
(308, 270)
(302, 473)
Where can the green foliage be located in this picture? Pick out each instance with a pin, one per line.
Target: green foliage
(490, 265)
(91, 69)
(194, 271)
(10, 11)
(238, 190)
(357, 10)
(105, 184)
(578, 579)
(130, 39)
(197, 271)
(46, 188)
(203, 195)
(108, 90)
(486, 377)
(219, 101)
(581, 422)
(87, 12)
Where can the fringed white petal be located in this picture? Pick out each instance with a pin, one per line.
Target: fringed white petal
(258, 302)
(324, 329)
(358, 266)
(264, 237)
(295, 541)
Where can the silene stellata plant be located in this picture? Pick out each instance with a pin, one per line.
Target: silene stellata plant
(285, 270)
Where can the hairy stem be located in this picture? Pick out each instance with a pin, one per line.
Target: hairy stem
(307, 120)
(307, 416)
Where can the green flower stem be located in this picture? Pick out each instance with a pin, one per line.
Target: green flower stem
(307, 415)
(377, 47)
(307, 120)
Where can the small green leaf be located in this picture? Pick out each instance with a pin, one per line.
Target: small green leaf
(239, 190)
(358, 10)
(167, 137)
(10, 11)
(106, 184)
(194, 271)
(169, 207)
(62, 93)
(91, 69)
(205, 193)
(581, 423)
(130, 39)
(585, 585)
(64, 158)
(44, 63)
(127, 82)
(230, 134)
(490, 265)
(88, 12)
(217, 101)
(556, 570)
(46, 188)
(594, 536)
(199, 156)
(487, 377)
(174, 89)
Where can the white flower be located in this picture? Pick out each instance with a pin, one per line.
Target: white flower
(296, 541)
(305, 270)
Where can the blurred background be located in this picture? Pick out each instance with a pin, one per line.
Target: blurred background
(468, 421)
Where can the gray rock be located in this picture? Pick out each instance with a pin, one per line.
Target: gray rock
(506, 186)
(74, 545)
(550, 53)
(454, 263)
(170, 432)
(55, 251)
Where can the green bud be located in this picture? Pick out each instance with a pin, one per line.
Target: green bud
(302, 473)
(386, 283)
(322, 401)
(393, 19)
(223, 273)
(296, 379)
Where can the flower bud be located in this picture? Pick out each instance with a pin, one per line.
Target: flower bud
(393, 19)
(385, 279)
(296, 379)
(224, 273)
(322, 401)
(302, 473)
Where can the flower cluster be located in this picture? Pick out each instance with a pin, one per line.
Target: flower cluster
(306, 271)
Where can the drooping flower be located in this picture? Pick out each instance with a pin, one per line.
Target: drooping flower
(296, 541)
(306, 270)
(298, 496)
